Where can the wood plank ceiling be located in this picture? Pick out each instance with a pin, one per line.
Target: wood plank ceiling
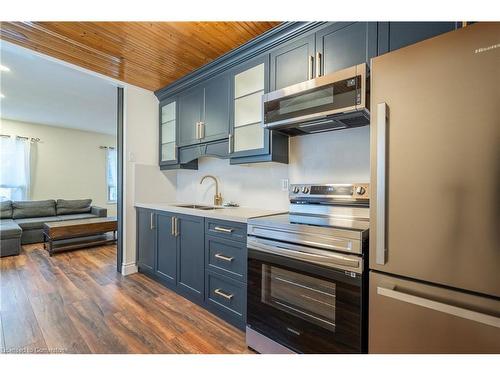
(146, 54)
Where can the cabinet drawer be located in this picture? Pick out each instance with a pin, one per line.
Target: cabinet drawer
(226, 257)
(226, 296)
(226, 229)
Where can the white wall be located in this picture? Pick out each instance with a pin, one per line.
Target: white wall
(335, 157)
(142, 178)
(251, 185)
(67, 163)
(341, 156)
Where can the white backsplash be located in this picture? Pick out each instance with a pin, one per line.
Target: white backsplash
(338, 157)
(248, 185)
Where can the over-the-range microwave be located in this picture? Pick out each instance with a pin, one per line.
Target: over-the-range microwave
(334, 101)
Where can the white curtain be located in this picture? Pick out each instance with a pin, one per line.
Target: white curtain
(111, 173)
(15, 164)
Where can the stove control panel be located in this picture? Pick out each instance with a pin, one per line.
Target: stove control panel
(333, 191)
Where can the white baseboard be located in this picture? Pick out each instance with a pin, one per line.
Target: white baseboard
(129, 268)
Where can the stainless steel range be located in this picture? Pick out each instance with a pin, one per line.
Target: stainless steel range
(307, 273)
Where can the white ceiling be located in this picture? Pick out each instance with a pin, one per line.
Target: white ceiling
(44, 91)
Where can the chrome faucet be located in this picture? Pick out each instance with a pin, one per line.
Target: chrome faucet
(217, 196)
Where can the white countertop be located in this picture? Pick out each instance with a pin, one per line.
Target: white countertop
(238, 214)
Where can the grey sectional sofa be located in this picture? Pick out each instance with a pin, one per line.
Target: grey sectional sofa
(21, 222)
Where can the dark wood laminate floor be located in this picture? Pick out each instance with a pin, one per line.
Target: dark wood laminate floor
(75, 302)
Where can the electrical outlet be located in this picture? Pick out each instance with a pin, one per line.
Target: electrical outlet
(284, 184)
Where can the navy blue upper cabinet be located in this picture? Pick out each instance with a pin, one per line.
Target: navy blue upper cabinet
(249, 142)
(168, 144)
(204, 112)
(334, 47)
(293, 63)
(215, 123)
(190, 114)
(168, 132)
(222, 100)
(344, 44)
(166, 253)
(191, 255)
(394, 35)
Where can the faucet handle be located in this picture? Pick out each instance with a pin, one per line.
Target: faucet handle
(218, 199)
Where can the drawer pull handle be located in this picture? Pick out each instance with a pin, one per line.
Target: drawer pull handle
(224, 257)
(224, 230)
(221, 293)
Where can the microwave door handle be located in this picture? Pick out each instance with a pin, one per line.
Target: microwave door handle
(440, 306)
(381, 134)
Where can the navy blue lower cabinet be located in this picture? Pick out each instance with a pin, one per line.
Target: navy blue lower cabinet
(226, 229)
(226, 270)
(226, 298)
(166, 252)
(190, 254)
(171, 249)
(146, 239)
(226, 257)
(205, 263)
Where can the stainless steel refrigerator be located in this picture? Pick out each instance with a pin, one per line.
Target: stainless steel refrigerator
(435, 204)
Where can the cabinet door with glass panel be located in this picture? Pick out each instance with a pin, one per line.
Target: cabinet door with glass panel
(249, 81)
(168, 132)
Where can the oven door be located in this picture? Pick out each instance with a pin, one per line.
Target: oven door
(309, 302)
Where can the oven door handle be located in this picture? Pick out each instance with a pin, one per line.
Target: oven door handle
(324, 258)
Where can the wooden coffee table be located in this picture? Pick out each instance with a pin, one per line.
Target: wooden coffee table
(77, 234)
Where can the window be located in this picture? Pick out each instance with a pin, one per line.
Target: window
(14, 168)
(111, 169)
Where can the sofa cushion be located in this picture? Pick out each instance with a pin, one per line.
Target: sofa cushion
(9, 229)
(6, 210)
(75, 216)
(35, 222)
(74, 206)
(23, 209)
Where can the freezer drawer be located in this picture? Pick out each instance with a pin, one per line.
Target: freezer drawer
(411, 317)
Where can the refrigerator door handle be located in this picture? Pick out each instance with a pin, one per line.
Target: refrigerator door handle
(380, 249)
(441, 307)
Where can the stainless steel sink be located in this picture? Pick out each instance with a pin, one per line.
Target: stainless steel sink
(198, 207)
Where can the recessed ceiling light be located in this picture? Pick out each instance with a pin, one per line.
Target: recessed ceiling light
(4, 68)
